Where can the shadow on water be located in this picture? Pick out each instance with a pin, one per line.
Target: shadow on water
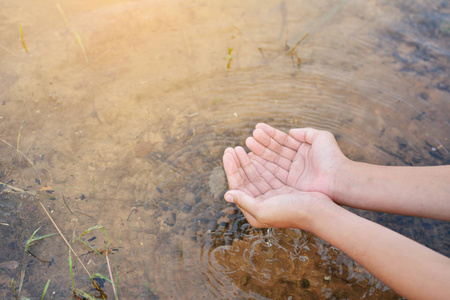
(128, 132)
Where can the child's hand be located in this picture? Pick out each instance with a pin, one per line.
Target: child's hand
(305, 159)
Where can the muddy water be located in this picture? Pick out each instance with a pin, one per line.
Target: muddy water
(119, 113)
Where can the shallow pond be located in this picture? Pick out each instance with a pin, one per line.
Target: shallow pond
(116, 113)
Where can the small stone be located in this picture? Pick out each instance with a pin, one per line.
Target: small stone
(10, 265)
(217, 181)
(305, 283)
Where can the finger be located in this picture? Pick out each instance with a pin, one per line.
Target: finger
(304, 135)
(235, 174)
(246, 204)
(252, 220)
(231, 166)
(268, 142)
(269, 171)
(268, 154)
(280, 137)
(237, 179)
(252, 174)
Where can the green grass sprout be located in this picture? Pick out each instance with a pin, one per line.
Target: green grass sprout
(89, 246)
(80, 42)
(30, 241)
(64, 238)
(18, 136)
(14, 289)
(33, 240)
(75, 33)
(84, 294)
(45, 289)
(71, 272)
(23, 41)
(63, 15)
(100, 276)
(229, 57)
(117, 260)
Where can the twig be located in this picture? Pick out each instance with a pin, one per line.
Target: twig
(110, 275)
(129, 215)
(64, 200)
(60, 233)
(17, 189)
(7, 50)
(6, 143)
(20, 151)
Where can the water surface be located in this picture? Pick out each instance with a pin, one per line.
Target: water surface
(121, 111)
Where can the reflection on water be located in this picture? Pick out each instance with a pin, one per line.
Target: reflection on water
(132, 138)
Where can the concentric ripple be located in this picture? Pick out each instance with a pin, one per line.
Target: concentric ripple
(134, 138)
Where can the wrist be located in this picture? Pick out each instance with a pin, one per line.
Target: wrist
(320, 217)
(341, 180)
(315, 211)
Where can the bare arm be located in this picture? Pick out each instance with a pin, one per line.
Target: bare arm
(414, 191)
(409, 268)
(310, 160)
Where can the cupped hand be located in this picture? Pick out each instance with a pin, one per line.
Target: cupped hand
(263, 198)
(305, 159)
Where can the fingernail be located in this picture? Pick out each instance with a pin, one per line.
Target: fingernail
(228, 198)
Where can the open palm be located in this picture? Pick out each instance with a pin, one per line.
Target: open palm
(264, 199)
(305, 159)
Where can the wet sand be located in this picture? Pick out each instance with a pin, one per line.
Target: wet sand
(119, 113)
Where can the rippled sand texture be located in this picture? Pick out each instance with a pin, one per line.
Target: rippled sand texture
(121, 111)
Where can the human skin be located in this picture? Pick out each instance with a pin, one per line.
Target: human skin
(288, 189)
(310, 160)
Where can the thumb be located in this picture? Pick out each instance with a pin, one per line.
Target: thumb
(240, 198)
(246, 204)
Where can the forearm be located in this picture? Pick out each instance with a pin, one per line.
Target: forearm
(409, 268)
(415, 191)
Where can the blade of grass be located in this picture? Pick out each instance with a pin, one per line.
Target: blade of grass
(22, 276)
(84, 294)
(29, 242)
(64, 238)
(32, 239)
(20, 152)
(22, 271)
(75, 291)
(63, 15)
(18, 136)
(90, 247)
(92, 228)
(89, 230)
(100, 276)
(117, 259)
(75, 33)
(23, 42)
(14, 289)
(45, 289)
(78, 38)
(41, 237)
(71, 272)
